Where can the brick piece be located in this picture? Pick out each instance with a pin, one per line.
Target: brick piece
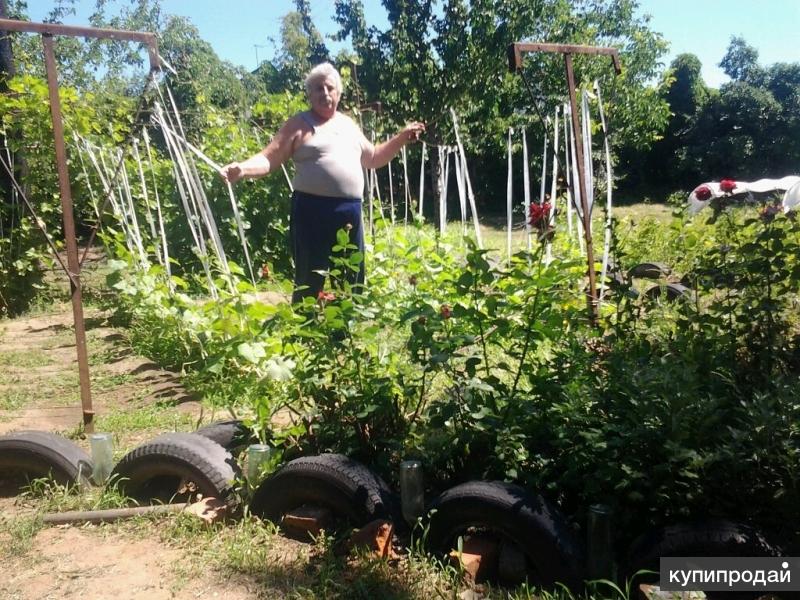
(376, 537)
(478, 557)
(307, 520)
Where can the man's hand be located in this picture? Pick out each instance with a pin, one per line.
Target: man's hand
(231, 172)
(413, 131)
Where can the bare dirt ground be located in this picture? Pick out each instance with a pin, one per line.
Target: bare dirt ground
(39, 390)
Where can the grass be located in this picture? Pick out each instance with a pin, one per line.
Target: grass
(17, 535)
(25, 359)
(161, 417)
(38, 390)
(12, 399)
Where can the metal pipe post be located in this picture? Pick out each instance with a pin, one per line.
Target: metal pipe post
(69, 231)
(591, 296)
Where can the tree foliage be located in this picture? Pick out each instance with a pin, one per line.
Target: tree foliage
(748, 129)
(439, 55)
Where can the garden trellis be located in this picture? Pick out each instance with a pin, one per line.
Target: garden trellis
(47, 31)
(126, 181)
(515, 64)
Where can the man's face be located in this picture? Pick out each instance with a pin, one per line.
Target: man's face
(324, 97)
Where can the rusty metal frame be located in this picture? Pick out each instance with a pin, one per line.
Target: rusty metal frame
(48, 31)
(515, 52)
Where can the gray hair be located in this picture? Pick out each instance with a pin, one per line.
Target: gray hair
(322, 71)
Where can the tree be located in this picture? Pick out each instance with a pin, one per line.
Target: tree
(437, 55)
(301, 47)
(686, 93)
(740, 62)
(748, 129)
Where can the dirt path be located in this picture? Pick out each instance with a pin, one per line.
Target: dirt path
(39, 378)
(95, 563)
(171, 557)
(39, 390)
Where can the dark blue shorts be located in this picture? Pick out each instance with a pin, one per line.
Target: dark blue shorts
(312, 230)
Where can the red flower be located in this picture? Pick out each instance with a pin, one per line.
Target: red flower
(446, 311)
(324, 296)
(702, 193)
(539, 215)
(265, 272)
(727, 185)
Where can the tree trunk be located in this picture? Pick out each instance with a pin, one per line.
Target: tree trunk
(7, 71)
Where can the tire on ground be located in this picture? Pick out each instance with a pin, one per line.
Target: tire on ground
(347, 488)
(670, 291)
(233, 435)
(649, 270)
(534, 525)
(716, 537)
(176, 466)
(26, 455)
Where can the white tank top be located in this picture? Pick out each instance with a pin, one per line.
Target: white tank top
(329, 162)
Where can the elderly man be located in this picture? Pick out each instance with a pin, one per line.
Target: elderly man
(329, 151)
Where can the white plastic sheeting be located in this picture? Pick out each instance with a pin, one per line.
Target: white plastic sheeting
(788, 184)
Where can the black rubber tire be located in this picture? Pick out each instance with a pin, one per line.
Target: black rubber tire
(670, 291)
(347, 488)
(232, 435)
(154, 470)
(649, 270)
(716, 537)
(26, 455)
(533, 524)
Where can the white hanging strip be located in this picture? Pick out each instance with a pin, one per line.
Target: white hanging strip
(100, 170)
(204, 209)
(391, 191)
(553, 186)
(240, 230)
(184, 191)
(234, 205)
(146, 199)
(440, 186)
(609, 190)
(526, 187)
(422, 178)
(576, 190)
(159, 216)
(371, 201)
(116, 209)
(405, 185)
(509, 197)
(588, 163)
(128, 197)
(462, 194)
(543, 184)
(85, 175)
(568, 173)
(377, 187)
(445, 186)
(288, 179)
(465, 172)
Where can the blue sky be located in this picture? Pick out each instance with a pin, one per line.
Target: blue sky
(240, 32)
